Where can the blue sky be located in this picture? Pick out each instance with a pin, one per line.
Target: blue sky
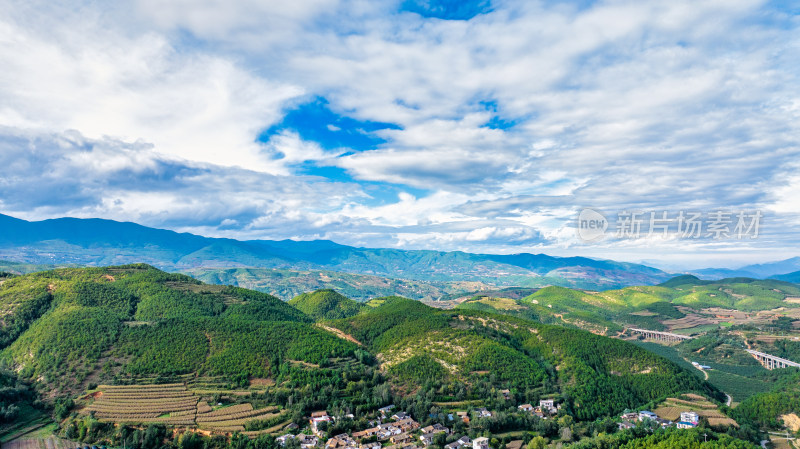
(483, 126)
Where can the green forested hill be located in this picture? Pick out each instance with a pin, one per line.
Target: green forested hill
(66, 326)
(767, 409)
(67, 330)
(326, 305)
(595, 375)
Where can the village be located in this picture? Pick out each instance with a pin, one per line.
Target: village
(397, 430)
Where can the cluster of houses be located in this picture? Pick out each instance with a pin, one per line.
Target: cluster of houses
(402, 425)
(399, 432)
(687, 420)
(396, 433)
(546, 407)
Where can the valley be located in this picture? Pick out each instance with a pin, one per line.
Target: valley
(128, 355)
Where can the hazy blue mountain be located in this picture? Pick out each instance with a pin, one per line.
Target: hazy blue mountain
(788, 277)
(107, 242)
(719, 273)
(774, 268)
(762, 271)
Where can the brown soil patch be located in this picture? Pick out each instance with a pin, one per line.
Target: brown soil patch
(695, 397)
(94, 395)
(261, 382)
(109, 277)
(792, 421)
(302, 363)
(338, 333)
(725, 422)
(687, 322)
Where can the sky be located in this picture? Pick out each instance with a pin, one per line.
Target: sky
(478, 125)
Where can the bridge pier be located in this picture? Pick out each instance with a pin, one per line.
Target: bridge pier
(771, 362)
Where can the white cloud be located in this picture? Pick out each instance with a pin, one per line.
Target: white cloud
(187, 104)
(623, 104)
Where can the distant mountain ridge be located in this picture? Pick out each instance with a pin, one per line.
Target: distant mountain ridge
(763, 270)
(106, 242)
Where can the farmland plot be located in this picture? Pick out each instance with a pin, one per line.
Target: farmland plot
(172, 405)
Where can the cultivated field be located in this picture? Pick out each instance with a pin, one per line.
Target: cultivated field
(171, 404)
(41, 443)
(233, 418)
(672, 408)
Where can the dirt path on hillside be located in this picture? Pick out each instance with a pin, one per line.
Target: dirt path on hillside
(339, 333)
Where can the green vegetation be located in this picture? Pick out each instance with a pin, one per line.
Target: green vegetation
(597, 376)
(18, 268)
(649, 307)
(665, 439)
(138, 321)
(134, 326)
(19, 406)
(765, 409)
(326, 305)
(743, 294)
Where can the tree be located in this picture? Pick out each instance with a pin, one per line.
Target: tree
(538, 442)
(566, 434)
(191, 440)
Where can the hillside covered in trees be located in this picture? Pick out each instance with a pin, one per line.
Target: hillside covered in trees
(326, 304)
(102, 324)
(66, 331)
(594, 375)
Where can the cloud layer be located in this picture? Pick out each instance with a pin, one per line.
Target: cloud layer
(498, 121)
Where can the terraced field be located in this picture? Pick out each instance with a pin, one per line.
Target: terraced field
(173, 405)
(169, 404)
(671, 409)
(234, 418)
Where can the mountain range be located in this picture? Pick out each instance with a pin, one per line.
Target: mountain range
(289, 264)
(98, 242)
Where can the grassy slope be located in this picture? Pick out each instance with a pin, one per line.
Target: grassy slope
(608, 311)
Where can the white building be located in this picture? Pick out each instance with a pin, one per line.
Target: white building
(480, 443)
(548, 406)
(692, 417)
(646, 414)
